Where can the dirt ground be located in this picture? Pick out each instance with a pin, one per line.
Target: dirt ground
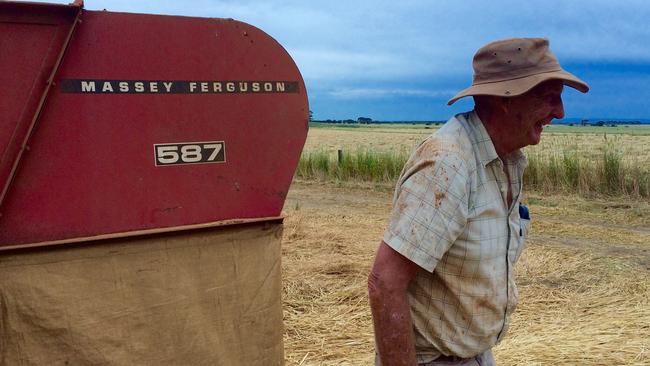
(584, 279)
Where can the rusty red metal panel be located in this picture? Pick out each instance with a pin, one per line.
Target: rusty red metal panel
(158, 122)
(33, 38)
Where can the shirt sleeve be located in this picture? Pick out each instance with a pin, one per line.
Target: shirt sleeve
(429, 208)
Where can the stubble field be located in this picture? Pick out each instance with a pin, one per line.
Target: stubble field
(632, 141)
(584, 279)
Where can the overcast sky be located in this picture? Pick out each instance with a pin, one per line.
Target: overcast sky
(402, 60)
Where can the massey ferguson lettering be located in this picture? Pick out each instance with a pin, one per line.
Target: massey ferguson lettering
(93, 86)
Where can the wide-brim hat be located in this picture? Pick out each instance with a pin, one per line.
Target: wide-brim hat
(511, 67)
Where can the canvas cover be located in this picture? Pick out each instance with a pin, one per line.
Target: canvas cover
(203, 297)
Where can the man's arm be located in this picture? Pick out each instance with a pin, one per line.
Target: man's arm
(391, 314)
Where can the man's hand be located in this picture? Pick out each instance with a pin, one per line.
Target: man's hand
(387, 285)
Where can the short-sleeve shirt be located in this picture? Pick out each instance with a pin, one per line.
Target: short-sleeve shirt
(451, 217)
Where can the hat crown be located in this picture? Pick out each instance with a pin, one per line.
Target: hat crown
(513, 58)
(511, 67)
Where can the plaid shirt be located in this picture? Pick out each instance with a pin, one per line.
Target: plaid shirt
(450, 217)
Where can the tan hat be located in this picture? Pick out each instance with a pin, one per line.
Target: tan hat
(513, 66)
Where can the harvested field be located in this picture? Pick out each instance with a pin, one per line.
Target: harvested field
(379, 139)
(568, 159)
(584, 280)
(633, 142)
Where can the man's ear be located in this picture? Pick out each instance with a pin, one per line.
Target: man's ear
(504, 104)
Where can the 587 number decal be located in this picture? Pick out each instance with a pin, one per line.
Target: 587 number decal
(190, 153)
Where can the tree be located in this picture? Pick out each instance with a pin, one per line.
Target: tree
(364, 120)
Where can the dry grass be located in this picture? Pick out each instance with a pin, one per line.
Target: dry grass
(588, 162)
(383, 140)
(584, 280)
(578, 308)
(324, 272)
(634, 147)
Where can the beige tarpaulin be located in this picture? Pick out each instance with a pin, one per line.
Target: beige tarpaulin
(204, 297)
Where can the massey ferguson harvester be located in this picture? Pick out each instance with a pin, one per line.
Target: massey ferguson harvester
(145, 160)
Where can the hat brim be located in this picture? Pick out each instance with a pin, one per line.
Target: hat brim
(514, 87)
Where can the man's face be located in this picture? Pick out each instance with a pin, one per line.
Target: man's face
(535, 109)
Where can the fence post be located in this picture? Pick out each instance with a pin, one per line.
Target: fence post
(340, 156)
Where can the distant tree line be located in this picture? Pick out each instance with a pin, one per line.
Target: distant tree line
(345, 121)
(610, 123)
(368, 120)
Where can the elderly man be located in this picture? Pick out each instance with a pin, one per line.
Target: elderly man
(442, 286)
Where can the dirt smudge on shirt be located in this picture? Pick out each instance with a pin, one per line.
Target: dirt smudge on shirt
(429, 148)
(439, 197)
